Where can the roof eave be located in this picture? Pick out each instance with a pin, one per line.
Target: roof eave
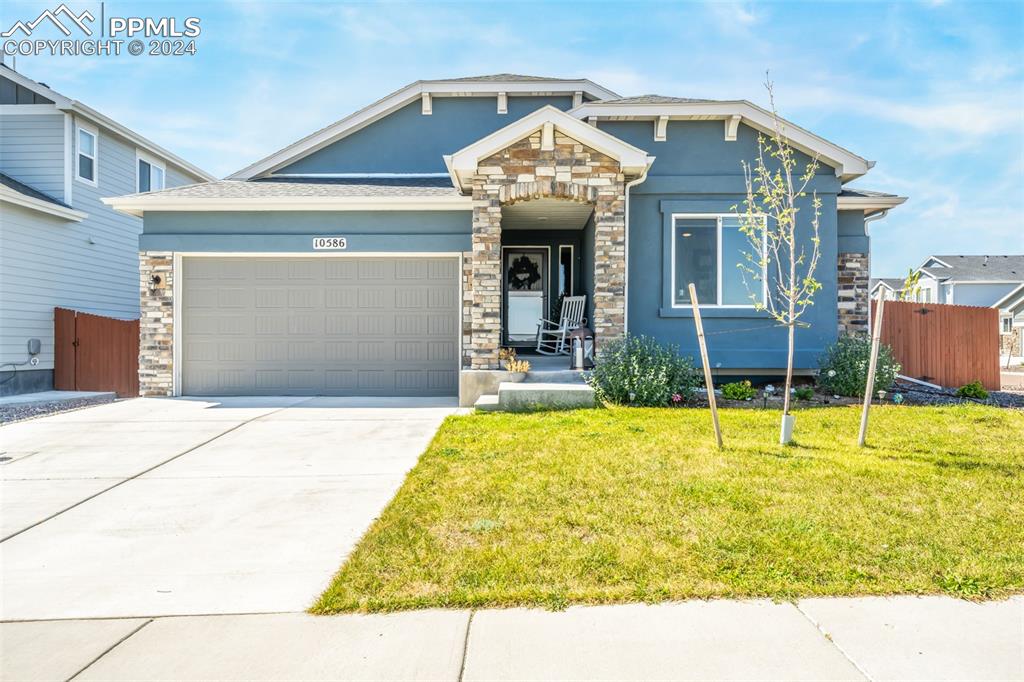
(868, 204)
(10, 196)
(137, 205)
(849, 166)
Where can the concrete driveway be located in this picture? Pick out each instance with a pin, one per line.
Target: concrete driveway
(153, 507)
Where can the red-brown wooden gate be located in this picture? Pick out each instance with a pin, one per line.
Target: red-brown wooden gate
(95, 353)
(949, 345)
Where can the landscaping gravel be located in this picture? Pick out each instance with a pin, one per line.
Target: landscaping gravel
(21, 411)
(913, 394)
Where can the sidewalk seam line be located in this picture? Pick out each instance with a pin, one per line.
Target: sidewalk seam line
(108, 650)
(831, 641)
(465, 645)
(146, 471)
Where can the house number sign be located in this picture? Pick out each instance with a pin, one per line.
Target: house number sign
(329, 243)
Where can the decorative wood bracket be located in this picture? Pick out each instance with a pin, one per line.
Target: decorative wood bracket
(661, 129)
(732, 125)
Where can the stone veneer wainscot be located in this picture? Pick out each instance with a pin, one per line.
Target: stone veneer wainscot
(853, 293)
(156, 325)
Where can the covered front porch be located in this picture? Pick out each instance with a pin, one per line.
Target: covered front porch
(547, 256)
(549, 218)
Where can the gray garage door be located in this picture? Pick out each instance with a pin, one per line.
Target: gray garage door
(320, 326)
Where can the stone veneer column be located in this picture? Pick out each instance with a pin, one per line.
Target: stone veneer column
(610, 261)
(521, 172)
(485, 314)
(853, 293)
(156, 325)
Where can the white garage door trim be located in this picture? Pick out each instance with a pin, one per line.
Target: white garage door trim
(177, 288)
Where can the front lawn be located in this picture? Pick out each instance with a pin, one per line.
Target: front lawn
(637, 505)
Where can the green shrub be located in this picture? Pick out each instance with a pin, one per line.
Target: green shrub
(972, 390)
(739, 390)
(843, 369)
(638, 371)
(803, 393)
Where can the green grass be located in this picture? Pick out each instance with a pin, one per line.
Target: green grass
(615, 505)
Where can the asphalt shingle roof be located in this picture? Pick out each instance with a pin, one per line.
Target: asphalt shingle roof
(313, 187)
(979, 268)
(848, 192)
(22, 188)
(895, 283)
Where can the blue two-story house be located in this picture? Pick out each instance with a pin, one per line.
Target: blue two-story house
(60, 245)
(399, 249)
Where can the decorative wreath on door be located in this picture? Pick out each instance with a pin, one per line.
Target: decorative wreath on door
(523, 273)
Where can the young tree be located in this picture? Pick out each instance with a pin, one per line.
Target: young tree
(785, 249)
(911, 286)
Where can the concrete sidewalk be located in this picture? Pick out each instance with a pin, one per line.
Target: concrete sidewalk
(908, 638)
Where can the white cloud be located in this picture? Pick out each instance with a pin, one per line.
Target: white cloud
(733, 16)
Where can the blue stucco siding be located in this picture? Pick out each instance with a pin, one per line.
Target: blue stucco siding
(853, 235)
(406, 141)
(293, 231)
(696, 171)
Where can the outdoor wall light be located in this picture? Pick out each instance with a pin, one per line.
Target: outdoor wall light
(154, 282)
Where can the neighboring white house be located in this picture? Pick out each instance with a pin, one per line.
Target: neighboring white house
(60, 246)
(988, 281)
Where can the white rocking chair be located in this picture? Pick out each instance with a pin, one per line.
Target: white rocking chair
(551, 336)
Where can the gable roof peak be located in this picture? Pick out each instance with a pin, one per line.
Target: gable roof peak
(463, 164)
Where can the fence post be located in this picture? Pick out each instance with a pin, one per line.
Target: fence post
(869, 387)
(707, 367)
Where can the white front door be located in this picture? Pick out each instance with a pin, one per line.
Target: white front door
(525, 288)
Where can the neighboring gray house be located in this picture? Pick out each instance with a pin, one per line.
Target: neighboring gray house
(987, 281)
(60, 245)
(891, 288)
(395, 251)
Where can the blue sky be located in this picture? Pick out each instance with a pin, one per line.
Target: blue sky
(931, 91)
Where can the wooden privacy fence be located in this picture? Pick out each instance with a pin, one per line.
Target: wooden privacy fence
(949, 345)
(95, 353)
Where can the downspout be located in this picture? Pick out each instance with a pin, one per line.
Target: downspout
(878, 215)
(625, 284)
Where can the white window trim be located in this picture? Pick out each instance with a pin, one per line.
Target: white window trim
(718, 247)
(94, 131)
(152, 161)
(1005, 328)
(572, 265)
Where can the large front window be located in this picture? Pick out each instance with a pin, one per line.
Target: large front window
(713, 253)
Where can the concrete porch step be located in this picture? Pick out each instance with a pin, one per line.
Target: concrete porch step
(564, 376)
(535, 395)
(488, 403)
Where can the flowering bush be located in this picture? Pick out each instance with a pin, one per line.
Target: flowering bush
(638, 371)
(739, 390)
(843, 369)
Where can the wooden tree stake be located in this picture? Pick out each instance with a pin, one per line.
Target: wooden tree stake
(707, 367)
(869, 388)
